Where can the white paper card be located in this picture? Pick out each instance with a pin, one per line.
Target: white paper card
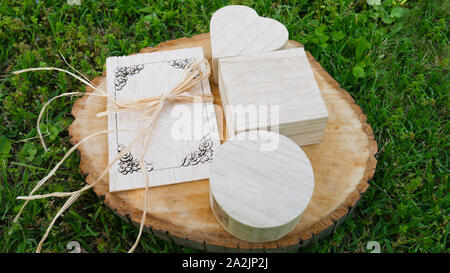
(184, 136)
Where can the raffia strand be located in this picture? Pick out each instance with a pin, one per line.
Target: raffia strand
(150, 108)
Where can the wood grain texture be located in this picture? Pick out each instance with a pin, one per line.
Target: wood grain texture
(260, 183)
(270, 89)
(238, 30)
(343, 164)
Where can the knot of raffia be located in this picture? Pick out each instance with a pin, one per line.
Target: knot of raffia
(193, 74)
(149, 107)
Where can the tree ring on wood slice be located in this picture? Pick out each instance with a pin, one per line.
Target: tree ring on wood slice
(343, 163)
(260, 183)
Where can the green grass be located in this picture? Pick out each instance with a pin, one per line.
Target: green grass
(393, 59)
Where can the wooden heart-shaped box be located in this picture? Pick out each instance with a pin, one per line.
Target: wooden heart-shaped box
(343, 162)
(238, 30)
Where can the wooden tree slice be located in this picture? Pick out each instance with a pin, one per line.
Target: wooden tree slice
(343, 162)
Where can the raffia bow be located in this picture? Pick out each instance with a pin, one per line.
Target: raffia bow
(150, 109)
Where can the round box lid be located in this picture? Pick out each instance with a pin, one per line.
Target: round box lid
(260, 184)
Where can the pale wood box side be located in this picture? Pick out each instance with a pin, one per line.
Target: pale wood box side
(282, 78)
(238, 30)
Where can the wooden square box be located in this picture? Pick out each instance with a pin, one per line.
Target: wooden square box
(260, 83)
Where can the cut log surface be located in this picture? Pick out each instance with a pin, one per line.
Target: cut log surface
(343, 163)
